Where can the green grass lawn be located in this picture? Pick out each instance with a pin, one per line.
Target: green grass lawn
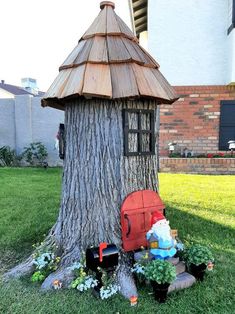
(202, 208)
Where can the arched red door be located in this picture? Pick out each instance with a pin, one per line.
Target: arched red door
(136, 214)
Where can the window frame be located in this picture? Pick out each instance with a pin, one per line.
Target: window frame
(139, 131)
(232, 26)
(61, 134)
(224, 125)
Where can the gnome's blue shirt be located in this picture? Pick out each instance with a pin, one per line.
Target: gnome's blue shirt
(164, 249)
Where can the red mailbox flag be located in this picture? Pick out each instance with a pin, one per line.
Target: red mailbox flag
(102, 246)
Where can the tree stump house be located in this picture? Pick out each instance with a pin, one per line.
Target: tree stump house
(110, 89)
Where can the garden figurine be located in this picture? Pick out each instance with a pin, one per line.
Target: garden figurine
(133, 300)
(57, 284)
(162, 244)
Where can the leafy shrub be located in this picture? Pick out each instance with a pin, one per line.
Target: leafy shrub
(38, 276)
(198, 254)
(35, 154)
(8, 157)
(175, 155)
(160, 271)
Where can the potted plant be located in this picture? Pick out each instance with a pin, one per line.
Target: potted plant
(198, 259)
(161, 274)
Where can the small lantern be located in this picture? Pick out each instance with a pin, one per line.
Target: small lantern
(171, 147)
(231, 146)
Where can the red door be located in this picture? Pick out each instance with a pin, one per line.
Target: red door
(136, 213)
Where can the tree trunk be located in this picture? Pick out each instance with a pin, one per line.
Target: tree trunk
(97, 176)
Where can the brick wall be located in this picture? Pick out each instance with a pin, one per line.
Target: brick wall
(198, 165)
(193, 121)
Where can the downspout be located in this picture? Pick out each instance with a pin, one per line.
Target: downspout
(132, 16)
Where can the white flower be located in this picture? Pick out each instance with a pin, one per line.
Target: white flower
(43, 260)
(107, 292)
(138, 269)
(89, 282)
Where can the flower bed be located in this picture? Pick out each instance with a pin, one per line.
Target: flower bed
(209, 165)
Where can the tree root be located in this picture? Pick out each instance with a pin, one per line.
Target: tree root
(64, 275)
(23, 269)
(126, 282)
(27, 267)
(125, 277)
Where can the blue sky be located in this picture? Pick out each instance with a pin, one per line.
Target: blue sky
(36, 36)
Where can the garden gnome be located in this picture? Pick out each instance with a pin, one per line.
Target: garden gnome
(160, 239)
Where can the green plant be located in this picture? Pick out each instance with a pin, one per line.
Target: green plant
(45, 261)
(198, 254)
(160, 271)
(175, 155)
(109, 285)
(35, 153)
(83, 281)
(8, 157)
(38, 276)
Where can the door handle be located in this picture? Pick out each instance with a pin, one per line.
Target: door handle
(129, 225)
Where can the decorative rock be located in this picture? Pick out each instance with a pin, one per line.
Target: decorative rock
(173, 260)
(184, 280)
(140, 255)
(180, 268)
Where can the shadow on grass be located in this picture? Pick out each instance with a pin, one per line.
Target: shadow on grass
(200, 228)
(214, 295)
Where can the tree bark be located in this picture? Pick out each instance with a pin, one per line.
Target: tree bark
(97, 177)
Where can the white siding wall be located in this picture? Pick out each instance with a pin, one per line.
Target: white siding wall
(7, 123)
(232, 56)
(5, 94)
(23, 121)
(189, 39)
(231, 38)
(230, 12)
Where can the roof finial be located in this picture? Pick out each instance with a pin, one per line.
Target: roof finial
(104, 3)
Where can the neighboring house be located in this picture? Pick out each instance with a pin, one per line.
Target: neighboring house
(10, 91)
(194, 43)
(23, 120)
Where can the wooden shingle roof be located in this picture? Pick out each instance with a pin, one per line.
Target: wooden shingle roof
(108, 63)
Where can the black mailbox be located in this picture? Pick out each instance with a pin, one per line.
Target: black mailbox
(105, 256)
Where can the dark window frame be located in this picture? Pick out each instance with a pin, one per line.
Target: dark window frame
(232, 26)
(61, 134)
(224, 125)
(139, 131)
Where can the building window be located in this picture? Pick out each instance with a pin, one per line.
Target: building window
(231, 15)
(138, 132)
(227, 123)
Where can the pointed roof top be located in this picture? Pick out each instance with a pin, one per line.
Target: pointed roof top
(108, 63)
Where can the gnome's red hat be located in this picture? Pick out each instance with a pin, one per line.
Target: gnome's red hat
(156, 216)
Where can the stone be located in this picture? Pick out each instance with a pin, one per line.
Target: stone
(140, 255)
(180, 268)
(173, 260)
(183, 281)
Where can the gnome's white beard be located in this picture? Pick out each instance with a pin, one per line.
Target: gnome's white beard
(163, 232)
